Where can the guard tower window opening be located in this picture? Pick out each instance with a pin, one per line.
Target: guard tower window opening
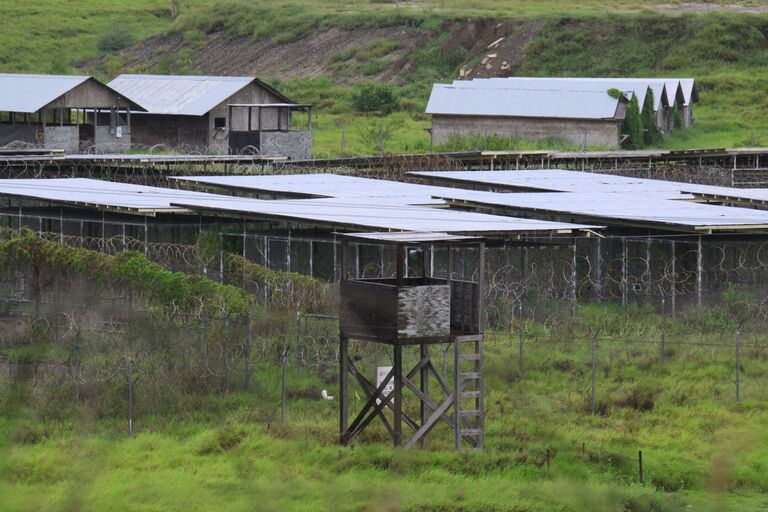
(220, 123)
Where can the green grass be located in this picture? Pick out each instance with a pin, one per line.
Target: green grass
(702, 450)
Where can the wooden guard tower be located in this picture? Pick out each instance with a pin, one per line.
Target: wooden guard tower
(406, 312)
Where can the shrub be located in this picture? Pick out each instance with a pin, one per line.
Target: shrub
(373, 97)
(116, 38)
(633, 126)
(651, 132)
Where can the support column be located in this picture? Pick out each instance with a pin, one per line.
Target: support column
(599, 270)
(288, 252)
(648, 269)
(398, 392)
(424, 385)
(343, 386)
(343, 367)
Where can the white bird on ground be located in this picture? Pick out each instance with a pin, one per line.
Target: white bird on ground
(325, 395)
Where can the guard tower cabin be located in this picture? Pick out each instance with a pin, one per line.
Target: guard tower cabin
(70, 113)
(421, 303)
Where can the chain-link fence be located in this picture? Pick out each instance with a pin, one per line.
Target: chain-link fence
(68, 342)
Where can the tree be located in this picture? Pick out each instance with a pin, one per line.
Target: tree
(373, 97)
(651, 132)
(633, 126)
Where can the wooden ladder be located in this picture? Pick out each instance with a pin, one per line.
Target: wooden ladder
(468, 392)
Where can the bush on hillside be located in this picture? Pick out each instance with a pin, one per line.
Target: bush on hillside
(373, 97)
(116, 38)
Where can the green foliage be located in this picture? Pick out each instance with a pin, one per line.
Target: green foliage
(615, 93)
(131, 271)
(633, 126)
(116, 38)
(374, 97)
(651, 132)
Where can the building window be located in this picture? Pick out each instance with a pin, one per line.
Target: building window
(219, 123)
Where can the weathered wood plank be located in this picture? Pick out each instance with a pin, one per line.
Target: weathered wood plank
(424, 311)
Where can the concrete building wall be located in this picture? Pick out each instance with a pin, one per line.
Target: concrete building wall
(577, 132)
(294, 145)
(662, 120)
(20, 133)
(62, 137)
(108, 142)
(687, 113)
(174, 131)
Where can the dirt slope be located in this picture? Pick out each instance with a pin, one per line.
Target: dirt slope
(318, 54)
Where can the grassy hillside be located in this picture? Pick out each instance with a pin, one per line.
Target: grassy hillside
(411, 45)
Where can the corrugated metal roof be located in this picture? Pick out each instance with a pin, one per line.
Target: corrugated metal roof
(30, 93)
(498, 101)
(179, 95)
(688, 85)
(664, 89)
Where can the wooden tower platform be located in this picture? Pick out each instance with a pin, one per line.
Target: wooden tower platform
(409, 311)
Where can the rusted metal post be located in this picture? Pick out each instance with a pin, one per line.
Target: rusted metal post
(699, 272)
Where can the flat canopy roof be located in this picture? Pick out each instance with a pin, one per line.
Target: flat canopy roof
(326, 185)
(606, 198)
(620, 209)
(556, 180)
(346, 213)
(105, 195)
(411, 237)
(745, 196)
(370, 214)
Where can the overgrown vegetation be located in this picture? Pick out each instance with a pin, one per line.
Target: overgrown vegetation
(205, 433)
(373, 97)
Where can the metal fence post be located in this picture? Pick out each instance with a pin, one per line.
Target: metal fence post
(130, 395)
(221, 258)
(594, 370)
(523, 262)
(248, 341)
(738, 363)
(77, 367)
(282, 383)
(298, 335)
